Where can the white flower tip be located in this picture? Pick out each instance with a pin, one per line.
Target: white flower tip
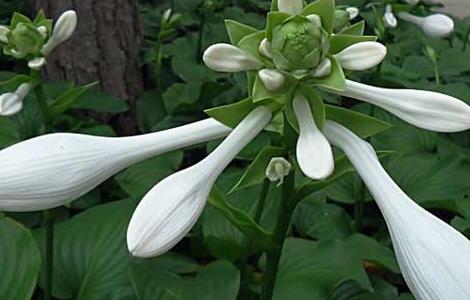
(437, 25)
(412, 2)
(353, 12)
(37, 63)
(3, 34)
(390, 21)
(65, 26)
(10, 104)
(265, 48)
(323, 69)
(229, 58)
(315, 19)
(362, 56)
(293, 7)
(273, 80)
(167, 15)
(42, 31)
(277, 169)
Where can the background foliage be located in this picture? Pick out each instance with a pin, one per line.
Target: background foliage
(339, 247)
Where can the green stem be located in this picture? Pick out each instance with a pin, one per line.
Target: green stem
(273, 256)
(49, 251)
(262, 201)
(436, 73)
(41, 96)
(359, 203)
(466, 38)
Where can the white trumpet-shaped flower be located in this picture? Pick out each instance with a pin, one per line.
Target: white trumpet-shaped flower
(292, 7)
(361, 56)
(12, 103)
(437, 25)
(63, 30)
(389, 19)
(229, 58)
(170, 209)
(3, 34)
(273, 80)
(314, 152)
(433, 256)
(277, 169)
(424, 109)
(52, 170)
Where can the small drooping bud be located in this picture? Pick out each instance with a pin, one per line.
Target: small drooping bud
(63, 30)
(273, 80)
(341, 19)
(323, 69)
(315, 19)
(389, 18)
(265, 48)
(37, 63)
(353, 12)
(42, 31)
(12, 103)
(3, 34)
(277, 169)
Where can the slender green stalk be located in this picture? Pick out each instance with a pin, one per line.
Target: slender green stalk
(465, 40)
(436, 74)
(288, 204)
(359, 203)
(262, 201)
(49, 253)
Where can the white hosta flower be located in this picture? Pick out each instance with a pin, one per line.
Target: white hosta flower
(170, 209)
(353, 12)
(361, 56)
(437, 25)
(323, 69)
(63, 30)
(433, 256)
(265, 48)
(277, 169)
(37, 63)
(314, 153)
(12, 103)
(3, 34)
(389, 19)
(292, 7)
(315, 19)
(229, 58)
(424, 109)
(52, 170)
(273, 80)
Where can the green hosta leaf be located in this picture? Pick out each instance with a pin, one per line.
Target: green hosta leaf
(339, 42)
(68, 99)
(101, 102)
(42, 20)
(275, 18)
(355, 29)
(238, 31)
(8, 133)
(362, 125)
(336, 81)
(311, 270)
(91, 260)
(256, 173)
(241, 220)
(140, 178)
(11, 84)
(19, 261)
(370, 250)
(180, 94)
(351, 291)
(250, 44)
(231, 114)
(325, 9)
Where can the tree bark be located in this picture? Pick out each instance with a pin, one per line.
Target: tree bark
(105, 48)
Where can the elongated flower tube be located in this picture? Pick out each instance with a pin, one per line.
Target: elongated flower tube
(228, 58)
(361, 56)
(433, 256)
(169, 211)
(313, 149)
(424, 109)
(292, 7)
(52, 170)
(437, 25)
(12, 103)
(63, 30)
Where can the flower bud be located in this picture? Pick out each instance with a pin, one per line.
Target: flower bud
(292, 7)
(412, 2)
(12, 103)
(63, 30)
(341, 19)
(273, 80)
(37, 63)
(277, 169)
(315, 19)
(298, 44)
(389, 18)
(3, 34)
(25, 40)
(228, 58)
(438, 25)
(167, 15)
(265, 48)
(42, 31)
(353, 12)
(323, 69)
(361, 56)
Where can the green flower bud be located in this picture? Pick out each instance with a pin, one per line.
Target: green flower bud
(341, 19)
(25, 39)
(298, 44)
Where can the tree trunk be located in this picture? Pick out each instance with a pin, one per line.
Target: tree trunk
(105, 48)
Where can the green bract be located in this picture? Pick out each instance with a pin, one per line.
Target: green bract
(24, 40)
(298, 44)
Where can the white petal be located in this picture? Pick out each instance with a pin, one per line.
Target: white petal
(37, 63)
(52, 170)
(63, 30)
(168, 212)
(3, 34)
(353, 12)
(362, 56)
(323, 69)
(10, 104)
(424, 109)
(228, 58)
(277, 169)
(313, 150)
(293, 7)
(433, 256)
(265, 48)
(273, 80)
(389, 20)
(42, 31)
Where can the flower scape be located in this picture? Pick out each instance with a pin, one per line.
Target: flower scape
(303, 54)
